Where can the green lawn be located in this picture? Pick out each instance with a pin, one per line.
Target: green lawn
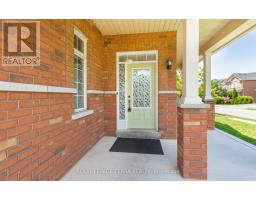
(250, 109)
(233, 116)
(241, 130)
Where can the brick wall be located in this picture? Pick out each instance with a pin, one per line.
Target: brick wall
(38, 138)
(192, 142)
(210, 114)
(165, 43)
(249, 89)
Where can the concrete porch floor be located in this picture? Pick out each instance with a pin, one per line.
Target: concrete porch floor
(228, 159)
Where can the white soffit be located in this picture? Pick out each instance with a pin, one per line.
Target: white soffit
(209, 27)
(133, 26)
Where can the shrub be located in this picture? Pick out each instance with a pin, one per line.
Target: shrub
(219, 100)
(242, 100)
(226, 100)
(234, 94)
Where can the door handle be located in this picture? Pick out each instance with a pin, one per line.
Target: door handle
(129, 104)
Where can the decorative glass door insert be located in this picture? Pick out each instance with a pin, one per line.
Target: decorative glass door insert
(141, 84)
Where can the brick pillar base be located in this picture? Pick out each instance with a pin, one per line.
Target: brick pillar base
(210, 114)
(192, 142)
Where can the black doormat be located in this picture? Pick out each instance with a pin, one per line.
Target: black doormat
(134, 145)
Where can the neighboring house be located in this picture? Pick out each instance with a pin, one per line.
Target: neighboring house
(223, 83)
(103, 78)
(244, 83)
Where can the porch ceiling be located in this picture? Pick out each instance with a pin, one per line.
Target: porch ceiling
(209, 27)
(132, 26)
(214, 33)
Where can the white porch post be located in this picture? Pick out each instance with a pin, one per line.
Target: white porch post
(190, 63)
(192, 112)
(207, 76)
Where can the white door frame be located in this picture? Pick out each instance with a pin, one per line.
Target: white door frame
(122, 124)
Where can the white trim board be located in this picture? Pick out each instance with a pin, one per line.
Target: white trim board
(167, 92)
(95, 92)
(24, 87)
(136, 52)
(82, 114)
(110, 92)
(100, 92)
(53, 89)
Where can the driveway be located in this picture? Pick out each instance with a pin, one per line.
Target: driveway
(238, 110)
(228, 159)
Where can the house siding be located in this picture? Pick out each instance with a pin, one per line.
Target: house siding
(249, 88)
(165, 43)
(38, 138)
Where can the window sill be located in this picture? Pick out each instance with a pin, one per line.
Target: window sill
(82, 114)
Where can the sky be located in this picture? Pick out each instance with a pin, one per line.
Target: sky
(237, 57)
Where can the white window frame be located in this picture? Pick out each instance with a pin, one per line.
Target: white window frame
(80, 35)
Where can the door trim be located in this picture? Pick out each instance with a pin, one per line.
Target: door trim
(122, 124)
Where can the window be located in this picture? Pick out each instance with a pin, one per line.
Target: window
(80, 65)
(141, 88)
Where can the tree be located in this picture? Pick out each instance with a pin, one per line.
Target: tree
(216, 89)
(178, 82)
(201, 82)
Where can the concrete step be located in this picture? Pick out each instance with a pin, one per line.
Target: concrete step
(138, 133)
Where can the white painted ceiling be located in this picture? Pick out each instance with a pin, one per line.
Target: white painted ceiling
(131, 26)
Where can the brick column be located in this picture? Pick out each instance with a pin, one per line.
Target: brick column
(210, 114)
(192, 142)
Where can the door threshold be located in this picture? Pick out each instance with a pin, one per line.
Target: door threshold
(138, 133)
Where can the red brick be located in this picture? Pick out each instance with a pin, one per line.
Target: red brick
(7, 163)
(3, 175)
(27, 153)
(8, 124)
(210, 114)
(19, 130)
(249, 88)
(28, 120)
(27, 170)
(19, 96)
(40, 109)
(27, 136)
(3, 96)
(192, 143)
(40, 124)
(19, 113)
(28, 103)
(3, 115)
(18, 148)
(20, 78)
(13, 177)
(8, 105)
(4, 76)
(18, 165)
